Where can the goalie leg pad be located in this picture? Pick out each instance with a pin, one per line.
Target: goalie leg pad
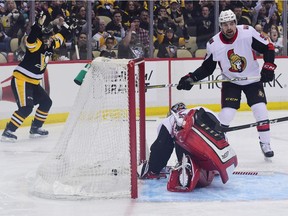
(206, 177)
(184, 177)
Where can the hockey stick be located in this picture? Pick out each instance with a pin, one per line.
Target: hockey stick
(204, 82)
(167, 169)
(260, 123)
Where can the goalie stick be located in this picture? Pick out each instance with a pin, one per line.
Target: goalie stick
(245, 126)
(167, 169)
(203, 82)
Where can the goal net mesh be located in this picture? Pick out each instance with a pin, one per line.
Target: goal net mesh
(92, 156)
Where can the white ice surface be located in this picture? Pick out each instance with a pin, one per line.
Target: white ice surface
(19, 161)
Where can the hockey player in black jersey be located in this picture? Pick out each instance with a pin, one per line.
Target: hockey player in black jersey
(26, 80)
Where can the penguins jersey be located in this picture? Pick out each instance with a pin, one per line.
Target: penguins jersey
(236, 57)
(37, 56)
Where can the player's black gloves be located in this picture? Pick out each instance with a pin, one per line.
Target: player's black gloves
(267, 72)
(185, 82)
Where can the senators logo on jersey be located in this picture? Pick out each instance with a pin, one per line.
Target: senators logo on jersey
(238, 63)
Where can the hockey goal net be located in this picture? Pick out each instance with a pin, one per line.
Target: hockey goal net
(103, 139)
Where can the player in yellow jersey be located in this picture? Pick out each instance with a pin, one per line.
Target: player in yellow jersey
(26, 80)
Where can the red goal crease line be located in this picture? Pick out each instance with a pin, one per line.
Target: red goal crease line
(257, 173)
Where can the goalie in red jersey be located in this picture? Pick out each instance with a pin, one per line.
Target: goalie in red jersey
(201, 148)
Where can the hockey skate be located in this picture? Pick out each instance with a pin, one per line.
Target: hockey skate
(36, 132)
(266, 149)
(8, 136)
(147, 174)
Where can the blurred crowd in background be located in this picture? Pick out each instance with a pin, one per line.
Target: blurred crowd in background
(122, 29)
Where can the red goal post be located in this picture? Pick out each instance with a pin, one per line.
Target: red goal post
(132, 118)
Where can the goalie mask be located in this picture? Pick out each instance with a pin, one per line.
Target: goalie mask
(176, 108)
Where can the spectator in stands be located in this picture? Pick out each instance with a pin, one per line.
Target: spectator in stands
(224, 5)
(94, 22)
(24, 10)
(241, 20)
(209, 4)
(248, 9)
(115, 27)
(263, 11)
(205, 28)
(190, 15)
(106, 8)
(168, 48)
(2, 8)
(175, 17)
(100, 37)
(58, 8)
(161, 20)
(142, 34)
(274, 20)
(132, 9)
(130, 47)
(4, 40)
(81, 16)
(261, 17)
(144, 20)
(157, 5)
(72, 7)
(80, 51)
(277, 41)
(109, 44)
(14, 20)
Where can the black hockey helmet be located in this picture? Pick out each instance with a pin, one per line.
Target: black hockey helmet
(47, 32)
(45, 35)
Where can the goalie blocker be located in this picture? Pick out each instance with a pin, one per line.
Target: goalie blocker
(204, 151)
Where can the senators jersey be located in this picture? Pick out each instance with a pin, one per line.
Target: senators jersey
(37, 56)
(236, 56)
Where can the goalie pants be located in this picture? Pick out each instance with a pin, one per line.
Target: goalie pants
(161, 150)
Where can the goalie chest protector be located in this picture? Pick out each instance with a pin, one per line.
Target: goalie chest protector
(207, 146)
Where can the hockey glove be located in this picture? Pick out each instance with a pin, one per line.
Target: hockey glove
(267, 72)
(185, 82)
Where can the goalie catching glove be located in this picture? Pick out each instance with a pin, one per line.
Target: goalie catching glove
(267, 72)
(185, 82)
